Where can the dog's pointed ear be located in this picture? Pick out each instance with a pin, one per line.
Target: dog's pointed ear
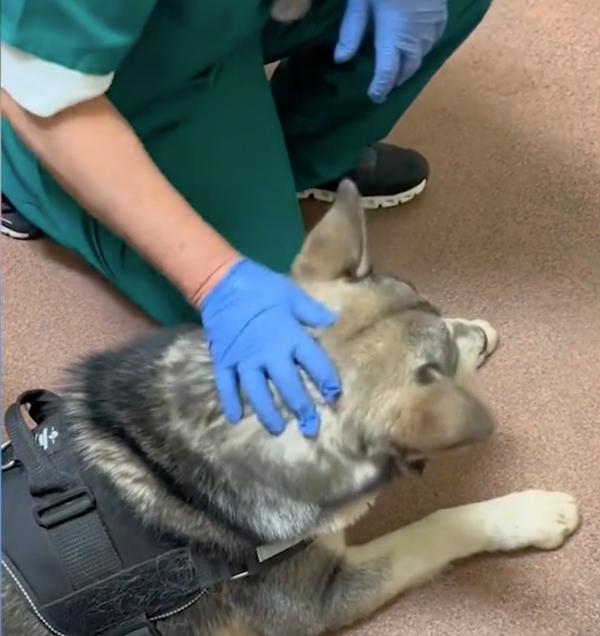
(337, 246)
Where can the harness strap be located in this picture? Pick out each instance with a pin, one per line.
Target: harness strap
(43, 476)
(65, 506)
(66, 510)
(99, 594)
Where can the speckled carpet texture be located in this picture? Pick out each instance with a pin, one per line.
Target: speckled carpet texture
(508, 230)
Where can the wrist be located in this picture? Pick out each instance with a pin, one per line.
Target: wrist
(216, 270)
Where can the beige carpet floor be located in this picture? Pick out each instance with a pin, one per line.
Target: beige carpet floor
(507, 230)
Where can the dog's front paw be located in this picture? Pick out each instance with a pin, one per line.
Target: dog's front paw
(533, 518)
(491, 340)
(476, 340)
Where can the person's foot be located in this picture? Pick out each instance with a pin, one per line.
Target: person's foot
(15, 225)
(386, 176)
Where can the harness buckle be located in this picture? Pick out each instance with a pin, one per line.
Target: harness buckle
(65, 506)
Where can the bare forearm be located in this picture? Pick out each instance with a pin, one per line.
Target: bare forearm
(95, 155)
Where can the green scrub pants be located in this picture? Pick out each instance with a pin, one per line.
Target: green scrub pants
(236, 146)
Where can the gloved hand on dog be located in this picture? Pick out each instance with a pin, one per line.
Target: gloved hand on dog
(254, 320)
(405, 31)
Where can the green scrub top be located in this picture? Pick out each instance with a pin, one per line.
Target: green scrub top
(189, 77)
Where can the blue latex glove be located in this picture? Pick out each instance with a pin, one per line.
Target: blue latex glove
(405, 31)
(253, 320)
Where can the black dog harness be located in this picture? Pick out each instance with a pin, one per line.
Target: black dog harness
(83, 562)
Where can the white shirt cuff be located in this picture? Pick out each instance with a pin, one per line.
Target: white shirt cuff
(45, 88)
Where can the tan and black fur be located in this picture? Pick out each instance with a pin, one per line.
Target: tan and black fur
(147, 417)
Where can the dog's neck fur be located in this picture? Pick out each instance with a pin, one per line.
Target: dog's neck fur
(150, 422)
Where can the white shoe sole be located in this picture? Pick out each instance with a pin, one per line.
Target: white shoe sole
(22, 236)
(369, 203)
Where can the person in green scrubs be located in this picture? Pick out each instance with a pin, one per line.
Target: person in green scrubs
(146, 137)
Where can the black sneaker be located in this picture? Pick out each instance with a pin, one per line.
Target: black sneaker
(386, 176)
(15, 225)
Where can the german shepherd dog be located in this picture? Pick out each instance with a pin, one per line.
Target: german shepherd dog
(408, 394)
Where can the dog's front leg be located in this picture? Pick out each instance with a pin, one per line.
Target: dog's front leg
(374, 573)
(476, 341)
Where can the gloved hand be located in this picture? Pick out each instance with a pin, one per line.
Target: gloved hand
(253, 319)
(405, 31)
